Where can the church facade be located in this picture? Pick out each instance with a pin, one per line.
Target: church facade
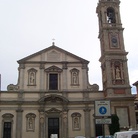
(53, 97)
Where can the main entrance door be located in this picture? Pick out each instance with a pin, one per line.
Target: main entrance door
(99, 130)
(53, 126)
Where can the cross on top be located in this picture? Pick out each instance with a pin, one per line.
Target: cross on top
(53, 43)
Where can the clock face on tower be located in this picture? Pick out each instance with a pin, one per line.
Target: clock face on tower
(114, 41)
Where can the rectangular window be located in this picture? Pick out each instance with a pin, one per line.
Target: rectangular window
(7, 130)
(53, 81)
(123, 114)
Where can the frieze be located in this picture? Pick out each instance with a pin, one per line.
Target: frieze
(53, 56)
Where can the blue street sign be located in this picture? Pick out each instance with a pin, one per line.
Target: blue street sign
(102, 110)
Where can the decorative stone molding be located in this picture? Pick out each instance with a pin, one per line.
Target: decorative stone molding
(41, 113)
(42, 66)
(84, 66)
(12, 87)
(8, 116)
(64, 65)
(21, 66)
(30, 121)
(93, 87)
(87, 109)
(74, 76)
(53, 98)
(19, 110)
(64, 116)
(32, 77)
(53, 110)
(76, 123)
(53, 69)
(20, 95)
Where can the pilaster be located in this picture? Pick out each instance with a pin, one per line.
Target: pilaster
(41, 124)
(65, 124)
(42, 80)
(21, 76)
(87, 122)
(19, 124)
(84, 76)
(64, 67)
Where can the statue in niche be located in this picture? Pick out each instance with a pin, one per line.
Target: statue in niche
(30, 123)
(74, 77)
(117, 73)
(32, 78)
(76, 122)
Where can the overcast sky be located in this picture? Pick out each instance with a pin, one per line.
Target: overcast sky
(28, 26)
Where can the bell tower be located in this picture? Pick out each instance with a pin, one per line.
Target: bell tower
(113, 58)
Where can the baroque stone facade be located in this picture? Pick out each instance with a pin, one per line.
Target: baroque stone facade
(53, 96)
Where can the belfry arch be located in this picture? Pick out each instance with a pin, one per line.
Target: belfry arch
(111, 15)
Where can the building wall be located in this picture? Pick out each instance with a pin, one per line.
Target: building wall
(68, 98)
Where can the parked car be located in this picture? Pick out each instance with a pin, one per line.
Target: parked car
(134, 135)
(125, 134)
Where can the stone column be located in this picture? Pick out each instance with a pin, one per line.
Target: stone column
(19, 123)
(87, 122)
(65, 124)
(41, 124)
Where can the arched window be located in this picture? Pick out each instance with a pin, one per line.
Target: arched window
(111, 15)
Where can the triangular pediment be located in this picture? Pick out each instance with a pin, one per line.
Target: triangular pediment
(53, 69)
(53, 110)
(52, 54)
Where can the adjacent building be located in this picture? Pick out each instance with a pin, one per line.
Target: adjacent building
(136, 102)
(53, 97)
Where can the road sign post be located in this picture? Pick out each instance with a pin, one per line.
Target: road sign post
(102, 111)
(103, 120)
(102, 108)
